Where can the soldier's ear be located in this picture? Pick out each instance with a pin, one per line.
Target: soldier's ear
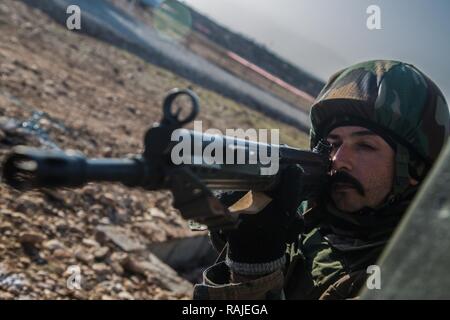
(413, 182)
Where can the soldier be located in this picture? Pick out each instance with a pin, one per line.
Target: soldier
(387, 123)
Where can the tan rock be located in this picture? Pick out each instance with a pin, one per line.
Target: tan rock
(104, 220)
(158, 273)
(124, 295)
(53, 244)
(6, 295)
(31, 237)
(101, 253)
(62, 292)
(62, 253)
(101, 268)
(119, 236)
(117, 268)
(152, 231)
(84, 256)
(25, 260)
(157, 213)
(96, 208)
(133, 265)
(78, 294)
(90, 242)
(119, 257)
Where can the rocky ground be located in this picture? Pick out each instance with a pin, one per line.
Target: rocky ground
(61, 89)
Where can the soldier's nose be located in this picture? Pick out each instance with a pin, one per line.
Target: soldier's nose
(342, 159)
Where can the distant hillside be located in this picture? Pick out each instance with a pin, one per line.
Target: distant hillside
(255, 53)
(241, 45)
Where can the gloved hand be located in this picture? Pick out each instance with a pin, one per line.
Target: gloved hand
(261, 238)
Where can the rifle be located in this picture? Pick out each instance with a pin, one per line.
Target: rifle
(191, 183)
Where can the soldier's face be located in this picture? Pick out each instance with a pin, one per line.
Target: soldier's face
(363, 164)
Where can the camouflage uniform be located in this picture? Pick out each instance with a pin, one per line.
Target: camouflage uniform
(329, 257)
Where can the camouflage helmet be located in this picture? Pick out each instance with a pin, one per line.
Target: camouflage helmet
(391, 98)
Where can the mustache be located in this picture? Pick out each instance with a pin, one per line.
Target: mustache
(345, 178)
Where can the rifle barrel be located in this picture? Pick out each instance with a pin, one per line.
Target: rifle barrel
(27, 168)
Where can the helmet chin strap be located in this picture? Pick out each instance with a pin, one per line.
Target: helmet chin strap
(402, 187)
(402, 176)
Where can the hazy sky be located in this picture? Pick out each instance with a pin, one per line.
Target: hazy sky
(322, 36)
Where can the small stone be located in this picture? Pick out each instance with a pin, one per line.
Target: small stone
(62, 292)
(108, 198)
(53, 245)
(61, 226)
(31, 237)
(42, 273)
(135, 280)
(119, 257)
(101, 253)
(6, 295)
(120, 237)
(57, 270)
(77, 228)
(101, 268)
(23, 265)
(78, 294)
(104, 220)
(128, 284)
(161, 295)
(45, 285)
(96, 208)
(124, 295)
(117, 287)
(157, 213)
(93, 220)
(25, 260)
(62, 253)
(90, 243)
(117, 268)
(152, 231)
(85, 257)
(135, 266)
(81, 214)
(16, 216)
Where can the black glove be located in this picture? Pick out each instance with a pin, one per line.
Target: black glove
(262, 237)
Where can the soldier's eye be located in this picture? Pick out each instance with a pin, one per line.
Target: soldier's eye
(366, 146)
(335, 145)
